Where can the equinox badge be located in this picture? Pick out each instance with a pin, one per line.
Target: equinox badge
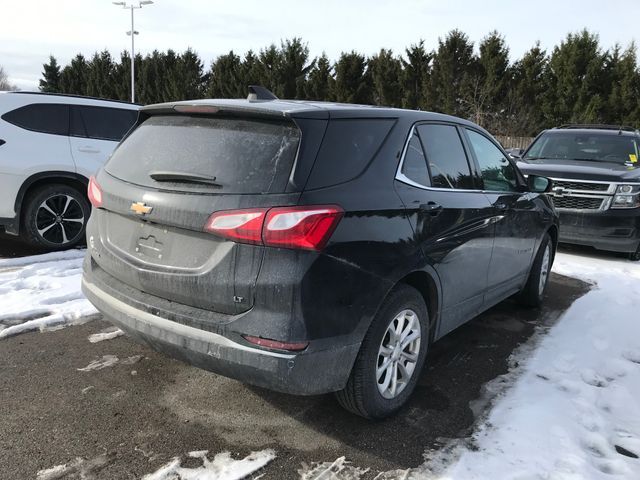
(140, 208)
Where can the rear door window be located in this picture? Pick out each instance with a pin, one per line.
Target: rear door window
(229, 155)
(41, 117)
(101, 123)
(348, 147)
(446, 157)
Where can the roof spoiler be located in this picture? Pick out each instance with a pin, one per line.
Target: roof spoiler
(258, 92)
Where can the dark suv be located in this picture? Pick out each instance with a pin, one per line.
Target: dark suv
(596, 183)
(311, 247)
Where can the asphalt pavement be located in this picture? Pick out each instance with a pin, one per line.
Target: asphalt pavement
(132, 417)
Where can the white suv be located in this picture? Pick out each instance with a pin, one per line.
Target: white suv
(49, 147)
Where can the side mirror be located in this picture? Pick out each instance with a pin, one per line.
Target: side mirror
(515, 152)
(539, 184)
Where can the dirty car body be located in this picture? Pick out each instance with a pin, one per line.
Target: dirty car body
(263, 302)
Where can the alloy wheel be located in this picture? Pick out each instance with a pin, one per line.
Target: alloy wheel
(60, 219)
(544, 269)
(398, 354)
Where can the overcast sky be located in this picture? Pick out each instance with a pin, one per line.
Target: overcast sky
(33, 29)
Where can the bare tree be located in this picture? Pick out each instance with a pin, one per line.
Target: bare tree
(4, 81)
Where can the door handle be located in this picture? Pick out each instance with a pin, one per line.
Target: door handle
(88, 150)
(432, 208)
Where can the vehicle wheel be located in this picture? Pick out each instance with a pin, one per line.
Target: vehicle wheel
(390, 358)
(635, 256)
(55, 217)
(533, 292)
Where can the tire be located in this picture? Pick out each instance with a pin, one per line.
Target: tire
(55, 217)
(363, 394)
(533, 291)
(635, 256)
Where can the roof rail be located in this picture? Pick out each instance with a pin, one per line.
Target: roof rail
(71, 95)
(258, 92)
(597, 126)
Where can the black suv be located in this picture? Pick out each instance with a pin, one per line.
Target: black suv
(311, 247)
(596, 183)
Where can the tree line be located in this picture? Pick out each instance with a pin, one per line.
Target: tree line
(576, 82)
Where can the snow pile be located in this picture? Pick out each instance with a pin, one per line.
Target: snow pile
(574, 412)
(42, 292)
(222, 467)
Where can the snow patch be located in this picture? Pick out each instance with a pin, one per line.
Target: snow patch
(42, 292)
(81, 467)
(108, 334)
(572, 412)
(222, 467)
(104, 362)
(340, 469)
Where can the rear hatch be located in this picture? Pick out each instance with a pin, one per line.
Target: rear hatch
(163, 183)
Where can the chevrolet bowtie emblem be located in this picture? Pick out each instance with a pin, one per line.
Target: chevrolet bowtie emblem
(140, 208)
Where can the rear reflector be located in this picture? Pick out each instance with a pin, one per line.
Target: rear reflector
(265, 342)
(95, 192)
(306, 227)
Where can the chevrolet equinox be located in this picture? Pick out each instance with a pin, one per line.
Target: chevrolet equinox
(311, 247)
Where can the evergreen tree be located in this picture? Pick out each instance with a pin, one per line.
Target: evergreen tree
(320, 83)
(268, 68)
(577, 87)
(100, 77)
(226, 77)
(488, 81)
(50, 81)
(415, 77)
(453, 63)
(527, 92)
(623, 102)
(386, 79)
(292, 69)
(353, 82)
(73, 78)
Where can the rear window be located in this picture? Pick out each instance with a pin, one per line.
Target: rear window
(101, 123)
(347, 148)
(225, 155)
(41, 117)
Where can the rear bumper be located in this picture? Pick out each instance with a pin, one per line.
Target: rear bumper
(305, 373)
(613, 230)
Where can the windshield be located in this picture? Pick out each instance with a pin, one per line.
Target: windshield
(596, 147)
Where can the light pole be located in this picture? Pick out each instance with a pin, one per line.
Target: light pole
(133, 33)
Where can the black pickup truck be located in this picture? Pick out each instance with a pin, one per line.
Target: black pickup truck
(596, 183)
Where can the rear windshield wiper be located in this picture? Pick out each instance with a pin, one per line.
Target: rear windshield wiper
(184, 177)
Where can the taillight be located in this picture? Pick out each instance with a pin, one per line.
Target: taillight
(95, 192)
(244, 226)
(307, 227)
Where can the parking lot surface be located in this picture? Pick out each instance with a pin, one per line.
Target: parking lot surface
(138, 409)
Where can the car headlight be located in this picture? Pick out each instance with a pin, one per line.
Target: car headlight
(627, 196)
